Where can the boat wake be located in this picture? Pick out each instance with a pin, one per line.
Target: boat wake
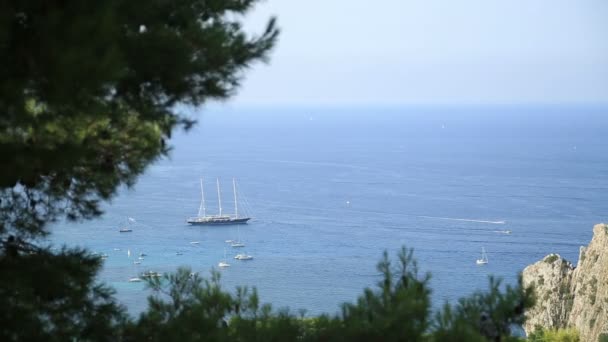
(462, 219)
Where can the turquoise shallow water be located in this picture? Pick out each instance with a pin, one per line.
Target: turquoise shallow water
(330, 189)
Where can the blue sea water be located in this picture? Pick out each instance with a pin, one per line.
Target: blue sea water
(332, 188)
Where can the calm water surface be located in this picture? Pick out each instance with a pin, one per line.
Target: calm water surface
(331, 189)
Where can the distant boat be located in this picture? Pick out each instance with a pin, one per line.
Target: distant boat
(204, 219)
(134, 280)
(151, 274)
(484, 257)
(194, 242)
(136, 262)
(223, 263)
(237, 243)
(243, 256)
(127, 228)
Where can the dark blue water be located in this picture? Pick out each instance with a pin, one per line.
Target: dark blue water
(330, 189)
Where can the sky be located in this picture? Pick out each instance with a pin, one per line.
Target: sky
(392, 52)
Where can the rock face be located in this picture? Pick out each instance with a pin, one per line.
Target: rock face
(570, 296)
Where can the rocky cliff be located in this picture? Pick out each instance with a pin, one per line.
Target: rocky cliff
(569, 296)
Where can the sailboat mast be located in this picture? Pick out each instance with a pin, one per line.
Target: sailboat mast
(219, 196)
(236, 207)
(202, 208)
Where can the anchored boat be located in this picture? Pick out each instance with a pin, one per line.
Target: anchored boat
(204, 219)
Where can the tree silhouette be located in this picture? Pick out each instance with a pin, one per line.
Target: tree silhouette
(89, 96)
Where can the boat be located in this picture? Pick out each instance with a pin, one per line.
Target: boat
(237, 243)
(135, 280)
(127, 228)
(243, 256)
(223, 263)
(203, 219)
(136, 262)
(151, 274)
(484, 257)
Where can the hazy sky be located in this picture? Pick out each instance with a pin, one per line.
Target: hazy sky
(350, 52)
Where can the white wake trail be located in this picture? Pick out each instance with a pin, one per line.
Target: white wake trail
(462, 219)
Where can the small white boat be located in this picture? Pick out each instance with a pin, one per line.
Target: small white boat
(125, 230)
(243, 256)
(223, 263)
(136, 262)
(229, 241)
(151, 274)
(135, 280)
(237, 243)
(194, 242)
(484, 257)
(140, 258)
(116, 249)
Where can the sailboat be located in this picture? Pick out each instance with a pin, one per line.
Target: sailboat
(127, 228)
(204, 219)
(484, 257)
(237, 243)
(223, 263)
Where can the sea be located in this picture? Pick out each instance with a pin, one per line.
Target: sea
(331, 188)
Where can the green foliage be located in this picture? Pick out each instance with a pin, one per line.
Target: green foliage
(89, 94)
(490, 314)
(399, 308)
(47, 296)
(554, 335)
(186, 307)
